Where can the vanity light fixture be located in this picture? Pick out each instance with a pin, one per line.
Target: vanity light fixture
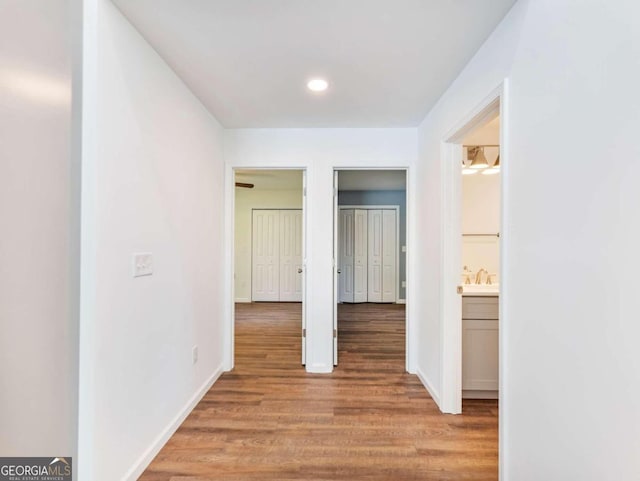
(317, 85)
(478, 160)
(495, 168)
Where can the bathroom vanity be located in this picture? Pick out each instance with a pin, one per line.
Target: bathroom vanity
(480, 342)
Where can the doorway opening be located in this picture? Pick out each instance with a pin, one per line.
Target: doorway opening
(370, 238)
(269, 252)
(480, 261)
(473, 230)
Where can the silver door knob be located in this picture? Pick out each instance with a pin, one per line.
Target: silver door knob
(339, 271)
(299, 270)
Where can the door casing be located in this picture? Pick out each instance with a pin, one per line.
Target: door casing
(451, 235)
(228, 341)
(410, 348)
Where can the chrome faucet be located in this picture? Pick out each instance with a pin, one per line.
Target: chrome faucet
(466, 273)
(479, 275)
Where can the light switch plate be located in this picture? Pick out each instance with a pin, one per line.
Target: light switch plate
(404, 248)
(142, 264)
(404, 283)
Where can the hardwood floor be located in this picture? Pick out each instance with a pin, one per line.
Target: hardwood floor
(369, 420)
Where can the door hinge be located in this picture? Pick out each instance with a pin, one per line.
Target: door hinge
(335, 333)
(304, 191)
(304, 332)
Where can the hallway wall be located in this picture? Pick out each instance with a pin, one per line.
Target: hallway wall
(39, 215)
(152, 182)
(571, 230)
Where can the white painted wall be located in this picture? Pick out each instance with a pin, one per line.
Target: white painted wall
(153, 182)
(39, 212)
(319, 151)
(570, 360)
(481, 215)
(245, 201)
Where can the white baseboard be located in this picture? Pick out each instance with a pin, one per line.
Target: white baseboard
(143, 462)
(432, 392)
(401, 301)
(243, 300)
(319, 368)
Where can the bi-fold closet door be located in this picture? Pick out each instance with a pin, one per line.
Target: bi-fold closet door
(352, 242)
(367, 248)
(276, 255)
(382, 255)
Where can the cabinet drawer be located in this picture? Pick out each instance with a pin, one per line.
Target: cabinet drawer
(480, 307)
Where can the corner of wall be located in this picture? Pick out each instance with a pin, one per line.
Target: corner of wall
(154, 448)
(429, 387)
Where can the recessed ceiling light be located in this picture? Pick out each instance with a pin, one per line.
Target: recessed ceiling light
(317, 85)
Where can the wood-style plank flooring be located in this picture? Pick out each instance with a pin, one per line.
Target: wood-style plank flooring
(368, 420)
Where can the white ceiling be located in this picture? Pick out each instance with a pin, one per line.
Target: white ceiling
(387, 61)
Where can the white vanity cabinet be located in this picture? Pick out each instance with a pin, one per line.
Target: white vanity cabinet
(480, 347)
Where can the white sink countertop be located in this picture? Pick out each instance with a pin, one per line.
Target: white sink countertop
(486, 290)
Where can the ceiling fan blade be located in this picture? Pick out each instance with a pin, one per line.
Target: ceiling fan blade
(245, 185)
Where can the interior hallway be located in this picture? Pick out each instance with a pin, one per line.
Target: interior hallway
(268, 419)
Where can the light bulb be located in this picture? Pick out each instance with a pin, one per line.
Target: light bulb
(317, 85)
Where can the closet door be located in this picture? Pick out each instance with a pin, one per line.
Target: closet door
(265, 279)
(360, 253)
(346, 255)
(290, 255)
(389, 255)
(374, 277)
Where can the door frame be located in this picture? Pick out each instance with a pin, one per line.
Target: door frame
(409, 337)
(386, 207)
(451, 260)
(229, 319)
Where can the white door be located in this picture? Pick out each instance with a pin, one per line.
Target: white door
(389, 255)
(335, 267)
(346, 255)
(374, 238)
(360, 255)
(265, 279)
(290, 255)
(303, 274)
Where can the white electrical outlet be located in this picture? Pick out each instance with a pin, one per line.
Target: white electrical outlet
(404, 283)
(194, 354)
(142, 264)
